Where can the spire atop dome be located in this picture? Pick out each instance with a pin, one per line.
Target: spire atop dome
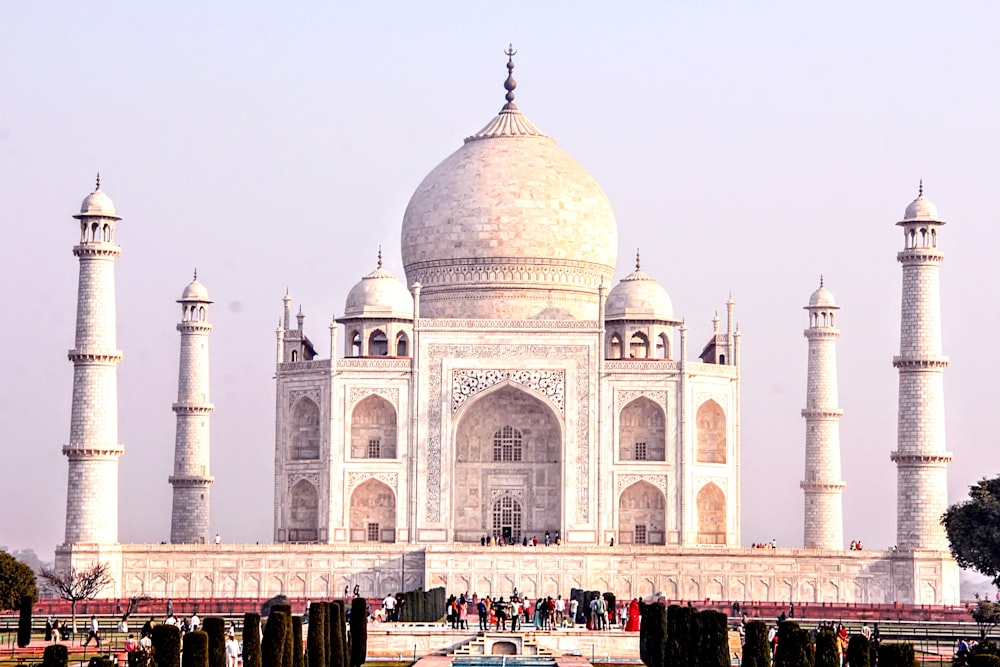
(510, 84)
(821, 280)
(637, 259)
(920, 190)
(98, 182)
(196, 273)
(379, 255)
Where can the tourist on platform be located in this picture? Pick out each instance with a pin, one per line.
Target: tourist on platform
(94, 632)
(131, 644)
(560, 605)
(232, 650)
(484, 618)
(500, 610)
(574, 607)
(56, 631)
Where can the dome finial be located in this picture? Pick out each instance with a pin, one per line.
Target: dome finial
(636, 259)
(380, 255)
(98, 182)
(196, 273)
(920, 191)
(821, 280)
(509, 85)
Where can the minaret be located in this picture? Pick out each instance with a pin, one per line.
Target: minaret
(824, 507)
(191, 479)
(93, 448)
(921, 459)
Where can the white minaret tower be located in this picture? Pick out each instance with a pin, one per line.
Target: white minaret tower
(824, 507)
(921, 459)
(93, 448)
(191, 479)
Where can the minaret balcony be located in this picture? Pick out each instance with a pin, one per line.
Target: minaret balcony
(188, 409)
(918, 458)
(190, 481)
(89, 451)
(103, 250)
(929, 362)
(920, 256)
(94, 357)
(829, 487)
(821, 333)
(822, 413)
(194, 327)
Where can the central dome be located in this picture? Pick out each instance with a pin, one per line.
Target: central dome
(509, 227)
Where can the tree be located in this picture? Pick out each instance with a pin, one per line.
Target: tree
(133, 605)
(16, 580)
(75, 585)
(973, 528)
(986, 614)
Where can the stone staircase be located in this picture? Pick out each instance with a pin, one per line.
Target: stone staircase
(502, 643)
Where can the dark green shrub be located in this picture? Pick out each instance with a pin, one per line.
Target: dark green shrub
(714, 650)
(692, 649)
(337, 633)
(251, 640)
(652, 633)
(195, 649)
(827, 654)
(272, 646)
(281, 606)
(166, 645)
(897, 654)
(265, 609)
(100, 661)
(756, 649)
(795, 647)
(55, 655)
(316, 641)
(858, 653)
(298, 658)
(215, 628)
(675, 626)
(984, 660)
(24, 622)
(328, 655)
(359, 631)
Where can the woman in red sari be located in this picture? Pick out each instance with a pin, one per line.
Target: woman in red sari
(632, 625)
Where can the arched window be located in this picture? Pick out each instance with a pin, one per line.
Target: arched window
(642, 515)
(373, 513)
(373, 429)
(402, 345)
(663, 346)
(507, 519)
(304, 430)
(711, 439)
(303, 513)
(711, 515)
(507, 444)
(642, 432)
(615, 347)
(355, 344)
(295, 355)
(378, 345)
(638, 346)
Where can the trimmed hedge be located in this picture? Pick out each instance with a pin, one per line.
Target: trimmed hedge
(858, 651)
(897, 654)
(827, 654)
(272, 646)
(297, 657)
(756, 650)
(316, 641)
(795, 647)
(251, 640)
(714, 649)
(215, 628)
(195, 649)
(24, 622)
(55, 655)
(166, 645)
(652, 634)
(359, 631)
(984, 660)
(337, 649)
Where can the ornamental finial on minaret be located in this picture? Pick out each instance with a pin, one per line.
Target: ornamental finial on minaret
(509, 85)
(920, 190)
(380, 255)
(98, 182)
(821, 280)
(636, 259)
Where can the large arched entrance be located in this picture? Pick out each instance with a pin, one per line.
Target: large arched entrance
(508, 467)
(303, 514)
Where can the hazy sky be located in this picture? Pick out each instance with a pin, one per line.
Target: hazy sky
(745, 146)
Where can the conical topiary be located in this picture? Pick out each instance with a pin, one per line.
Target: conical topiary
(195, 649)
(251, 640)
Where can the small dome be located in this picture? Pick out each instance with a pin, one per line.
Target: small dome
(921, 209)
(195, 291)
(638, 297)
(823, 297)
(379, 295)
(98, 204)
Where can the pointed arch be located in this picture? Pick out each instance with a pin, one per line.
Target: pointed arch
(355, 343)
(378, 344)
(373, 429)
(304, 430)
(303, 513)
(642, 515)
(508, 519)
(711, 445)
(642, 431)
(373, 513)
(638, 346)
(711, 503)
(615, 347)
(663, 346)
(402, 345)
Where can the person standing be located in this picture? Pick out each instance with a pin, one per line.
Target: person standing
(574, 607)
(390, 607)
(484, 620)
(232, 650)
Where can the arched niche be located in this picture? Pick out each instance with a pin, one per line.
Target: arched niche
(402, 345)
(642, 515)
(373, 429)
(642, 433)
(638, 346)
(303, 513)
(504, 420)
(711, 446)
(711, 503)
(378, 344)
(373, 513)
(304, 432)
